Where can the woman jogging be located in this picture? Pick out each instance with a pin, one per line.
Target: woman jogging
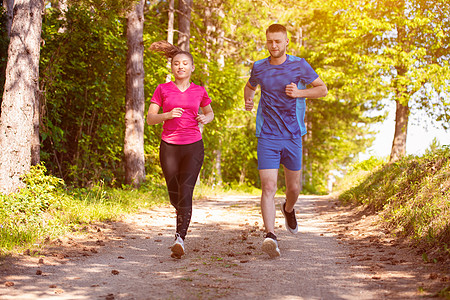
(181, 150)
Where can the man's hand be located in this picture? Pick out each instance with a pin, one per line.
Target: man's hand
(292, 90)
(249, 104)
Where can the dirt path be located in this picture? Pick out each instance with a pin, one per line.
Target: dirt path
(336, 256)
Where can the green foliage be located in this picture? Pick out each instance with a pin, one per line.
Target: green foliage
(412, 195)
(24, 215)
(45, 208)
(356, 173)
(407, 48)
(83, 82)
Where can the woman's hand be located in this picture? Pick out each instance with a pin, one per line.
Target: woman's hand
(176, 112)
(207, 116)
(202, 119)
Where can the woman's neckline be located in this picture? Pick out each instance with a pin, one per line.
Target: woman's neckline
(181, 89)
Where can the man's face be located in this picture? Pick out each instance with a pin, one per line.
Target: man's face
(276, 43)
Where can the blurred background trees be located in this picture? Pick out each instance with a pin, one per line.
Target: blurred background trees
(365, 52)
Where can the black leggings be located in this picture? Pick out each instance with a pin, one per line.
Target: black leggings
(181, 165)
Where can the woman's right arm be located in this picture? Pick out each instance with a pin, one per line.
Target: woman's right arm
(154, 118)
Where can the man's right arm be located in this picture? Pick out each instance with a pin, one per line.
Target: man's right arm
(249, 93)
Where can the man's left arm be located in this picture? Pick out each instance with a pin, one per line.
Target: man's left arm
(318, 90)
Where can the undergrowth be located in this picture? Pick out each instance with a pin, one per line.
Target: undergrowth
(45, 208)
(412, 195)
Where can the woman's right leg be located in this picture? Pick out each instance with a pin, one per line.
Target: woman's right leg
(172, 158)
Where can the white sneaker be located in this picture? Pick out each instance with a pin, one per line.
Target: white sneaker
(178, 247)
(270, 245)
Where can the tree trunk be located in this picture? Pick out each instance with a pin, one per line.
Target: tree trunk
(135, 101)
(170, 32)
(398, 149)
(19, 96)
(171, 21)
(35, 138)
(62, 7)
(9, 6)
(184, 23)
(401, 128)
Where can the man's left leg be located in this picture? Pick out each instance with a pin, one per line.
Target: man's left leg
(292, 179)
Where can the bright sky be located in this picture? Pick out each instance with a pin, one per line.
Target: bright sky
(417, 141)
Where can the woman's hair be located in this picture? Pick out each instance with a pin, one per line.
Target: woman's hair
(169, 50)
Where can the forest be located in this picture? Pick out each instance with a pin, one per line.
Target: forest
(75, 76)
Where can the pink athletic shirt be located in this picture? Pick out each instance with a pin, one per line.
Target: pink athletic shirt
(183, 130)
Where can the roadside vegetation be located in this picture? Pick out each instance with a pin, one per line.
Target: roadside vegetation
(46, 208)
(412, 195)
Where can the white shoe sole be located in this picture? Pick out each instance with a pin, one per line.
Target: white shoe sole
(270, 247)
(177, 251)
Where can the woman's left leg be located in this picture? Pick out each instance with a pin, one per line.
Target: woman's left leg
(188, 173)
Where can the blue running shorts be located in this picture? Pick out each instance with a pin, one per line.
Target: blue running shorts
(273, 152)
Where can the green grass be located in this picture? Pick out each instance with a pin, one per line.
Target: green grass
(46, 208)
(412, 195)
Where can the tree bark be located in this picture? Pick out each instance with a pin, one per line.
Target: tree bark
(184, 23)
(62, 7)
(135, 101)
(401, 129)
(170, 32)
(35, 138)
(19, 96)
(398, 149)
(171, 21)
(9, 6)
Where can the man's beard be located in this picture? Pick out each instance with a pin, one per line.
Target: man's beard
(278, 55)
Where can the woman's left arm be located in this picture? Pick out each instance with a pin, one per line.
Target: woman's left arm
(207, 116)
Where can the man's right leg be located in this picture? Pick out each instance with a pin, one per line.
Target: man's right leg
(268, 164)
(269, 188)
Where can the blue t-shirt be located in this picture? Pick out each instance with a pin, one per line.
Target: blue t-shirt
(280, 116)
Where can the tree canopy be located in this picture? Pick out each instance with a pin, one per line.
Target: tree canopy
(365, 52)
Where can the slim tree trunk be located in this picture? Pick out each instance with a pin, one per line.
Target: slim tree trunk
(19, 96)
(184, 23)
(171, 21)
(9, 6)
(398, 149)
(170, 31)
(35, 138)
(62, 7)
(135, 101)
(401, 129)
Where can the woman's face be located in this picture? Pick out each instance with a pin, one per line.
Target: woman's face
(182, 66)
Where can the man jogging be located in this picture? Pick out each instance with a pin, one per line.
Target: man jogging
(280, 126)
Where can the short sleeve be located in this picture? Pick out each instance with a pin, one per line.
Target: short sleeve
(157, 96)
(308, 74)
(253, 80)
(205, 99)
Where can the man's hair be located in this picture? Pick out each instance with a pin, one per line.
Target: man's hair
(276, 28)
